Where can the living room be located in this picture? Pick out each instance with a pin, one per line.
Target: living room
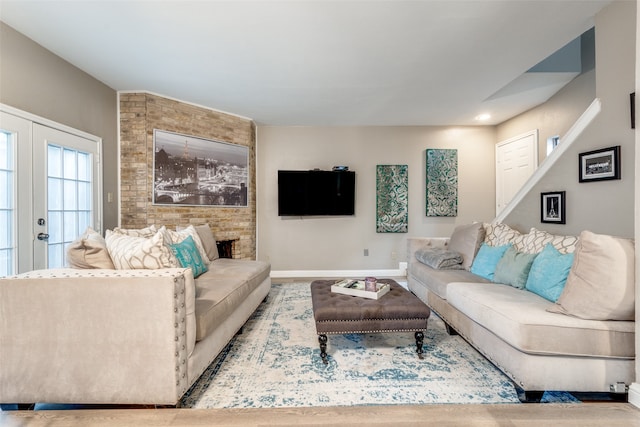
(50, 90)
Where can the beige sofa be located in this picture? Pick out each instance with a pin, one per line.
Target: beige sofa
(120, 336)
(539, 344)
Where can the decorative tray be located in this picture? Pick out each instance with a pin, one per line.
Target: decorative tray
(356, 288)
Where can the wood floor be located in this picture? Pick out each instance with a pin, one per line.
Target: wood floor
(579, 415)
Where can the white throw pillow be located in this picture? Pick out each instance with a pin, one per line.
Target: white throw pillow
(132, 252)
(89, 251)
(601, 283)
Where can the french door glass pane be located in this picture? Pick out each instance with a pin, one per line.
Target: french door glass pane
(84, 167)
(70, 199)
(55, 228)
(54, 159)
(7, 205)
(54, 188)
(70, 194)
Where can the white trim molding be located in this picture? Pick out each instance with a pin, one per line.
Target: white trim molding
(289, 274)
(634, 394)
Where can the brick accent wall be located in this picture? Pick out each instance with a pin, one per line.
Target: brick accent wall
(140, 114)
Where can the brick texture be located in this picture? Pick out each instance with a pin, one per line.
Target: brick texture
(140, 114)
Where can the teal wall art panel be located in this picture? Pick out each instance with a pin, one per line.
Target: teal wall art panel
(392, 198)
(442, 182)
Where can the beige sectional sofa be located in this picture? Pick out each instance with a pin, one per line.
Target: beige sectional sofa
(570, 343)
(121, 336)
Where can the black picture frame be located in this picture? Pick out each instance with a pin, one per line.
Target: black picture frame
(599, 165)
(553, 207)
(632, 102)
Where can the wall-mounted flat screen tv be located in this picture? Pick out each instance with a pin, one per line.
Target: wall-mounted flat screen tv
(316, 192)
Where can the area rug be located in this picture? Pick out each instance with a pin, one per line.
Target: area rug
(276, 362)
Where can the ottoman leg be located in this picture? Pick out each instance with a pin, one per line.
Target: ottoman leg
(322, 338)
(419, 340)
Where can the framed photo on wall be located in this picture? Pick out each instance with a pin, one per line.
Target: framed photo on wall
(599, 165)
(552, 207)
(193, 171)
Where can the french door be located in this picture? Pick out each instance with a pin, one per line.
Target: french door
(51, 179)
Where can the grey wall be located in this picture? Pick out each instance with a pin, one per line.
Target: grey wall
(555, 116)
(339, 243)
(606, 206)
(35, 80)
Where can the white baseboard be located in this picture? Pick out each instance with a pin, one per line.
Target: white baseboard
(401, 271)
(634, 394)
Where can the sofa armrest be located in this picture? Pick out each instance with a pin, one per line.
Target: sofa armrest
(416, 243)
(95, 336)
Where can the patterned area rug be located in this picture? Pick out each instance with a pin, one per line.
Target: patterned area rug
(276, 362)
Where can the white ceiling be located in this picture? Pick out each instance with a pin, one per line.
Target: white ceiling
(326, 63)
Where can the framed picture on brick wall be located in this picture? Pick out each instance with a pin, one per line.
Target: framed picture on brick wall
(193, 171)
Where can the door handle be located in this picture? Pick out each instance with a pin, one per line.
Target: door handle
(43, 236)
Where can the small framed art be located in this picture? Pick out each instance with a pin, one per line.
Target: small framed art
(599, 165)
(552, 207)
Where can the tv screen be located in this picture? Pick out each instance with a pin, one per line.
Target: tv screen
(316, 192)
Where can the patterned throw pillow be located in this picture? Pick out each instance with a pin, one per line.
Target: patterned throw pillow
(149, 231)
(188, 255)
(131, 252)
(89, 251)
(536, 241)
(500, 234)
(174, 237)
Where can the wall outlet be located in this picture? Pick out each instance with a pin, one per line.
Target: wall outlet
(366, 252)
(394, 255)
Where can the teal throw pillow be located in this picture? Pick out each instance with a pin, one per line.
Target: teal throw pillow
(513, 268)
(188, 256)
(549, 273)
(486, 260)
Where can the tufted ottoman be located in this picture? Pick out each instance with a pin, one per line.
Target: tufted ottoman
(397, 311)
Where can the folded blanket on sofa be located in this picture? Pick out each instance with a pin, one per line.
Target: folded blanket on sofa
(440, 258)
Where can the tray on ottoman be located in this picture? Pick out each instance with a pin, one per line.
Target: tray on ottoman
(398, 311)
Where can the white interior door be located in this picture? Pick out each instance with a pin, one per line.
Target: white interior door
(50, 190)
(516, 160)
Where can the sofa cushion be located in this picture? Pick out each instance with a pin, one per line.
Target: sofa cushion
(513, 268)
(130, 252)
(466, 240)
(520, 318)
(484, 264)
(220, 290)
(549, 273)
(89, 251)
(437, 280)
(188, 256)
(601, 283)
(440, 258)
